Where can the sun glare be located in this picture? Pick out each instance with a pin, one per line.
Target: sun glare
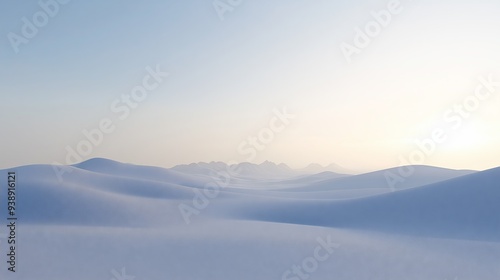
(465, 139)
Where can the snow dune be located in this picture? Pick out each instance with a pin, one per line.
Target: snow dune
(105, 216)
(464, 207)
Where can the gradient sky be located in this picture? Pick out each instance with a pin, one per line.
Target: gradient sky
(226, 77)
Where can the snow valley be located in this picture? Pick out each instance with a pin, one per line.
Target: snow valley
(263, 221)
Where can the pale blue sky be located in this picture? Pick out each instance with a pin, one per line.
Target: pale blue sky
(226, 77)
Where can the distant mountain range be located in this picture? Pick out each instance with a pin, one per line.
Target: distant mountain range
(266, 169)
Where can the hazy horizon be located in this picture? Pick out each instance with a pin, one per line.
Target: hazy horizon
(297, 83)
(333, 167)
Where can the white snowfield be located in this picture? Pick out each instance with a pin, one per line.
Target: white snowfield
(109, 220)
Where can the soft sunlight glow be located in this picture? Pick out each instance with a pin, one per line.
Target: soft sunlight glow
(226, 78)
(469, 138)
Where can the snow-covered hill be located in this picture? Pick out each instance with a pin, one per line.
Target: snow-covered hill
(104, 216)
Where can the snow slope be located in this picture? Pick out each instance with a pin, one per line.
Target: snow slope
(464, 207)
(106, 216)
(420, 175)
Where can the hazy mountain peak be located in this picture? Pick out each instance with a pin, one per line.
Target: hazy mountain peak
(315, 166)
(283, 165)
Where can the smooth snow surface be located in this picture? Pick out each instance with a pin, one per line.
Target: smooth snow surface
(106, 216)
